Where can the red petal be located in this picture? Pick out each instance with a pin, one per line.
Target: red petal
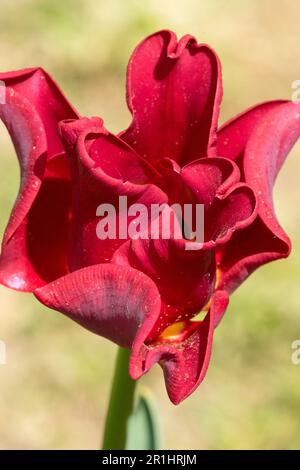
(261, 139)
(104, 168)
(210, 178)
(185, 279)
(213, 182)
(111, 301)
(233, 136)
(123, 304)
(228, 214)
(33, 107)
(174, 92)
(184, 364)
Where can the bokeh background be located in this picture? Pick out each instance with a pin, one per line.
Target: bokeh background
(55, 385)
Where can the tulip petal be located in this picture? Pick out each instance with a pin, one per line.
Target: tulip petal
(233, 136)
(210, 178)
(213, 182)
(122, 305)
(184, 363)
(185, 279)
(104, 168)
(111, 301)
(173, 92)
(259, 140)
(33, 106)
(228, 214)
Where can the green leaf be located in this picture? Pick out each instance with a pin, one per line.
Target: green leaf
(143, 431)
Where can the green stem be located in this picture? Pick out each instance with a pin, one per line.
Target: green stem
(121, 404)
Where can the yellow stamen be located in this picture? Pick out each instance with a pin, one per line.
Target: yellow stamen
(218, 277)
(172, 331)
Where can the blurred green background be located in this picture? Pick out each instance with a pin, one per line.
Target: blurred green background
(54, 387)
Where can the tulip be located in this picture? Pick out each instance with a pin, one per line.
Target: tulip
(151, 296)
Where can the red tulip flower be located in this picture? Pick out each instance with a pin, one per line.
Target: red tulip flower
(145, 294)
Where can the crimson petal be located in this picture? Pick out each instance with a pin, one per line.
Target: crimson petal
(185, 279)
(104, 168)
(33, 106)
(259, 140)
(185, 364)
(213, 182)
(111, 301)
(173, 92)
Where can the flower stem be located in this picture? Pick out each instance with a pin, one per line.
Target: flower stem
(121, 404)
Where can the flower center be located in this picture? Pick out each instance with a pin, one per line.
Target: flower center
(180, 330)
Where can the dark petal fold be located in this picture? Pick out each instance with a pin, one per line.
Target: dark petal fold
(185, 279)
(173, 92)
(213, 182)
(230, 213)
(103, 169)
